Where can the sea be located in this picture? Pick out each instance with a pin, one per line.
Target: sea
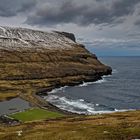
(117, 92)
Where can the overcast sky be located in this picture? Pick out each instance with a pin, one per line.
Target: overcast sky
(107, 27)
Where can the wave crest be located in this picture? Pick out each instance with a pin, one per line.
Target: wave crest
(84, 84)
(78, 106)
(58, 89)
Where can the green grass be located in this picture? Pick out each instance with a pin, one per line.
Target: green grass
(35, 114)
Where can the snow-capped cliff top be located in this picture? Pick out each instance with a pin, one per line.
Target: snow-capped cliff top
(20, 38)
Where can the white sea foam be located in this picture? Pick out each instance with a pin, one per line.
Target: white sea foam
(107, 76)
(97, 104)
(82, 100)
(77, 106)
(114, 71)
(84, 84)
(100, 81)
(58, 89)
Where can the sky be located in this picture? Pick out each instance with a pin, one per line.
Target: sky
(106, 27)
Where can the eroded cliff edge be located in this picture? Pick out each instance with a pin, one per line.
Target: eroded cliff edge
(32, 61)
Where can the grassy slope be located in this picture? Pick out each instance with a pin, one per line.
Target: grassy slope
(116, 126)
(35, 114)
(14, 88)
(25, 72)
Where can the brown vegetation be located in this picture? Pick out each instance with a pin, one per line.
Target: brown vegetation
(116, 126)
(25, 72)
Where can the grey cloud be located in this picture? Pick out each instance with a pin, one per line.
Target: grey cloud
(137, 23)
(83, 13)
(124, 7)
(135, 35)
(9, 8)
(128, 44)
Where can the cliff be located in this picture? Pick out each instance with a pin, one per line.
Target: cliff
(40, 59)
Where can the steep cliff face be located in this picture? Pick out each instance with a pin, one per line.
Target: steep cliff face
(26, 54)
(29, 54)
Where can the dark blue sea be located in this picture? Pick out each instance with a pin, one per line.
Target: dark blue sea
(117, 92)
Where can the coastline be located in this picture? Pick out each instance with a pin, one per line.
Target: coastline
(50, 106)
(38, 101)
(33, 95)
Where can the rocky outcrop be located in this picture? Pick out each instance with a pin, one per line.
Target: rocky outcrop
(26, 54)
(68, 35)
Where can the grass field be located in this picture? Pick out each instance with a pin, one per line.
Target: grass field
(115, 126)
(35, 114)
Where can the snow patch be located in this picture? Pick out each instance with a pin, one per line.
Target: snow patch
(14, 38)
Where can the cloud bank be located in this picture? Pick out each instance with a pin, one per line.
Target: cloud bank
(9, 8)
(105, 23)
(83, 13)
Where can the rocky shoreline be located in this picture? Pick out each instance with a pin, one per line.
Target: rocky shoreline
(44, 92)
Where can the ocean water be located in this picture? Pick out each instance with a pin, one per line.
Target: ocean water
(117, 92)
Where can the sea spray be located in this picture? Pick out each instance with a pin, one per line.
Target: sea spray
(58, 89)
(90, 83)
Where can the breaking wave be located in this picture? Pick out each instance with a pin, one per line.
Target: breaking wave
(114, 71)
(79, 106)
(90, 83)
(62, 89)
(58, 89)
